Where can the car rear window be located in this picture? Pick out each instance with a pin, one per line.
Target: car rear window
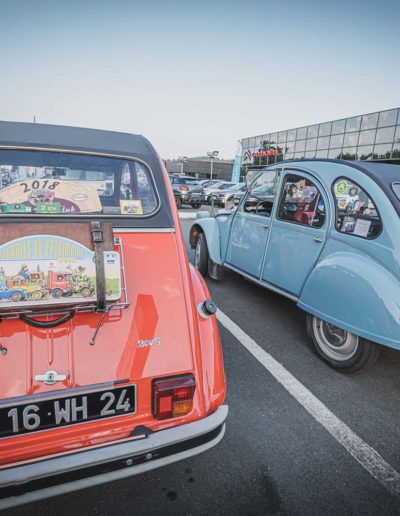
(189, 181)
(55, 183)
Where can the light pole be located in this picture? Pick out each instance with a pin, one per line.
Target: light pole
(212, 155)
(182, 159)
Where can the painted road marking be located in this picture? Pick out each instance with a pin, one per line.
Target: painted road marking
(187, 215)
(361, 451)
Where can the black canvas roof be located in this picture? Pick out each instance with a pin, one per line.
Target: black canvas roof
(64, 138)
(77, 138)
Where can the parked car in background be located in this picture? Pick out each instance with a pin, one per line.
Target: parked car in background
(216, 188)
(325, 234)
(187, 190)
(224, 198)
(134, 379)
(208, 182)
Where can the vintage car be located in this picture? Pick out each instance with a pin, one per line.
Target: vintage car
(99, 387)
(323, 233)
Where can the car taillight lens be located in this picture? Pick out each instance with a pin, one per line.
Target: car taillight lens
(174, 397)
(184, 188)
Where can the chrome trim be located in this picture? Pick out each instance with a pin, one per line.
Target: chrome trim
(13, 475)
(262, 283)
(144, 230)
(86, 153)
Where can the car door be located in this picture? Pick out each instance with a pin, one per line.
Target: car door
(250, 225)
(298, 232)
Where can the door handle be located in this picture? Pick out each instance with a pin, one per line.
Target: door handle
(318, 239)
(265, 226)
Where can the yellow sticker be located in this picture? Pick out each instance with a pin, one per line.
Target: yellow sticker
(131, 207)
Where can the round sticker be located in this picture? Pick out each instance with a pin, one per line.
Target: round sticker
(341, 187)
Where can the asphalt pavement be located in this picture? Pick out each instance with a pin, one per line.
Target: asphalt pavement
(275, 458)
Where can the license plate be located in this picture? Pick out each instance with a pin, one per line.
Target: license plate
(64, 410)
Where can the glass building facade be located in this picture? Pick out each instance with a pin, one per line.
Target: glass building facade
(374, 136)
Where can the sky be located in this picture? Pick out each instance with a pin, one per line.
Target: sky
(196, 76)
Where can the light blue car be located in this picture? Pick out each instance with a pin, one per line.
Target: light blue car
(326, 234)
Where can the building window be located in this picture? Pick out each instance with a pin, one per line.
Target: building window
(348, 153)
(369, 121)
(350, 139)
(282, 137)
(312, 131)
(321, 154)
(325, 129)
(355, 211)
(385, 135)
(334, 153)
(323, 143)
(353, 124)
(383, 151)
(387, 118)
(311, 144)
(301, 202)
(365, 152)
(367, 137)
(291, 135)
(336, 141)
(338, 126)
(302, 133)
(300, 145)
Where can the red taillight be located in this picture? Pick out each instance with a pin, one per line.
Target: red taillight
(184, 188)
(174, 397)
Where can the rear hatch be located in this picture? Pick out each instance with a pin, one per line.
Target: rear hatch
(149, 339)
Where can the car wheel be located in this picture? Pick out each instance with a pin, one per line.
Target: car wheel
(339, 348)
(57, 293)
(178, 201)
(201, 255)
(16, 296)
(85, 292)
(36, 295)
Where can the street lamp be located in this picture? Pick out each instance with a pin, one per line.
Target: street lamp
(182, 159)
(212, 155)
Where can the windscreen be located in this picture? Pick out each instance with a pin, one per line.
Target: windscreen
(53, 183)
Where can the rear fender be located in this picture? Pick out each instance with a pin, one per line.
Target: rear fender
(214, 383)
(210, 228)
(356, 293)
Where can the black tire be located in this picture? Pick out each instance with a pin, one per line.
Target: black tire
(16, 296)
(353, 355)
(85, 291)
(178, 202)
(57, 293)
(201, 255)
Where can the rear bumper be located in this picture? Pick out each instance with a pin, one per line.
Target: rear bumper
(192, 199)
(59, 475)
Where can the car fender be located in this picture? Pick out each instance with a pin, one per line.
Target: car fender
(210, 228)
(214, 382)
(356, 293)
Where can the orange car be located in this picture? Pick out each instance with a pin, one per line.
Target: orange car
(99, 387)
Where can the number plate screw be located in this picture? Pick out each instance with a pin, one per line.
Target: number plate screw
(149, 456)
(129, 462)
(3, 351)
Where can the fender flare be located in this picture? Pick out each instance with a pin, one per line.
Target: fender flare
(210, 228)
(356, 293)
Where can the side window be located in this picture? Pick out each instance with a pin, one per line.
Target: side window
(261, 196)
(355, 211)
(301, 202)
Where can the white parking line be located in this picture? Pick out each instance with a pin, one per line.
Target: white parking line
(361, 451)
(187, 215)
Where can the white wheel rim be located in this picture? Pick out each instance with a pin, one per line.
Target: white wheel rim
(334, 342)
(197, 253)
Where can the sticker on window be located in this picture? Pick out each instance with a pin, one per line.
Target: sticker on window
(49, 196)
(131, 207)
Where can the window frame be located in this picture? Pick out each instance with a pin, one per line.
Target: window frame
(318, 186)
(242, 204)
(65, 218)
(338, 178)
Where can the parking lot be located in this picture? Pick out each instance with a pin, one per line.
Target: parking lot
(277, 456)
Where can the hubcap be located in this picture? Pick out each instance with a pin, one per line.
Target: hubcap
(334, 342)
